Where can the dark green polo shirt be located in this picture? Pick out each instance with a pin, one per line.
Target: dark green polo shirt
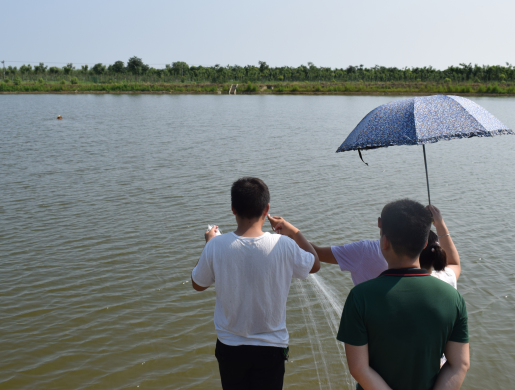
(406, 317)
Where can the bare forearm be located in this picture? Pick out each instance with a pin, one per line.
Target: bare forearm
(304, 244)
(369, 379)
(359, 367)
(450, 377)
(325, 254)
(445, 240)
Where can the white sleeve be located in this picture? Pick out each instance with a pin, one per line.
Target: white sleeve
(452, 277)
(203, 273)
(302, 261)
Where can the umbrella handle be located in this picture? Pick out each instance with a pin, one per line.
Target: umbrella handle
(361, 157)
(427, 177)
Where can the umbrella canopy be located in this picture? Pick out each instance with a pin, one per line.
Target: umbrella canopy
(422, 120)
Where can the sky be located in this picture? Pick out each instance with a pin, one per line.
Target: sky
(330, 33)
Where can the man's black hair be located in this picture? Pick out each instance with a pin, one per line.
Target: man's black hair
(406, 224)
(249, 197)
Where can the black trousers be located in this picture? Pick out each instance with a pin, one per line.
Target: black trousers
(250, 367)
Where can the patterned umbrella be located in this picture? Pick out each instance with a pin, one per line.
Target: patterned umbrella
(422, 120)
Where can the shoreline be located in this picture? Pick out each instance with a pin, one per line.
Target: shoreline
(262, 93)
(273, 88)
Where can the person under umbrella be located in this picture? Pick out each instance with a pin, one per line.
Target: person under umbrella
(364, 260)
(397, 325)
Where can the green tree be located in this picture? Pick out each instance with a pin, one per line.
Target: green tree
(117, 67)
(84, 68)
(314, 72)
(263, 66)
(136, 66)
(41, 68)
(98, 69)
(68, 68)
(180, 68)
(11, 70)
(25, 69)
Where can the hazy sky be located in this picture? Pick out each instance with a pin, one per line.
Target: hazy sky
(281, 32)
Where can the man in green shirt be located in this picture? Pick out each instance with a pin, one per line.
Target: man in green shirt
(397, 326)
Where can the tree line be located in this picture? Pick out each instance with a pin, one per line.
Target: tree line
(137, 71)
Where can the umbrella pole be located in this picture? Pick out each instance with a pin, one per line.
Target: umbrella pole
(427, 177)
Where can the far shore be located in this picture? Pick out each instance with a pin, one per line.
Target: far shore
(254, 93)
(279, 88)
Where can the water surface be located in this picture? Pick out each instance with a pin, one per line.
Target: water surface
(103, 215)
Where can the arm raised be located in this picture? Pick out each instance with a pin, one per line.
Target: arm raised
(281, 226)
(210, 234)
(445, 240)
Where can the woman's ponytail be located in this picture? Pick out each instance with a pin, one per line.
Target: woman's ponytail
(433, 256)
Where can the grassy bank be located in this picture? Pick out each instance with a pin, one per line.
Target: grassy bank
(394, 88)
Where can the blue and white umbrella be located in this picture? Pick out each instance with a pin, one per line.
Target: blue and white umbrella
(420, 121)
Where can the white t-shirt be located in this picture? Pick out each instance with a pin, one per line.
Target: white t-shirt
(447, 275)
(252, 278)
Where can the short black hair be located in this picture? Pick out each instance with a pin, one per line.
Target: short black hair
(406, 224)
(249, 197)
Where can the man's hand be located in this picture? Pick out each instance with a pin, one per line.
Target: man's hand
(280, 226)
(211, 233)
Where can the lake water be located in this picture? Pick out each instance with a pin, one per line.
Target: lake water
(103, 215)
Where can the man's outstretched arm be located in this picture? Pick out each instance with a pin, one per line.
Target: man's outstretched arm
(367, 377)
(325, 254)
(455, 368)
(208, 236)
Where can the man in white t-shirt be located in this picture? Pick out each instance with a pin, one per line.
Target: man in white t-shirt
(252, 271)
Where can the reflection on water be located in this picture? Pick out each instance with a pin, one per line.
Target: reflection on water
(103, 215)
